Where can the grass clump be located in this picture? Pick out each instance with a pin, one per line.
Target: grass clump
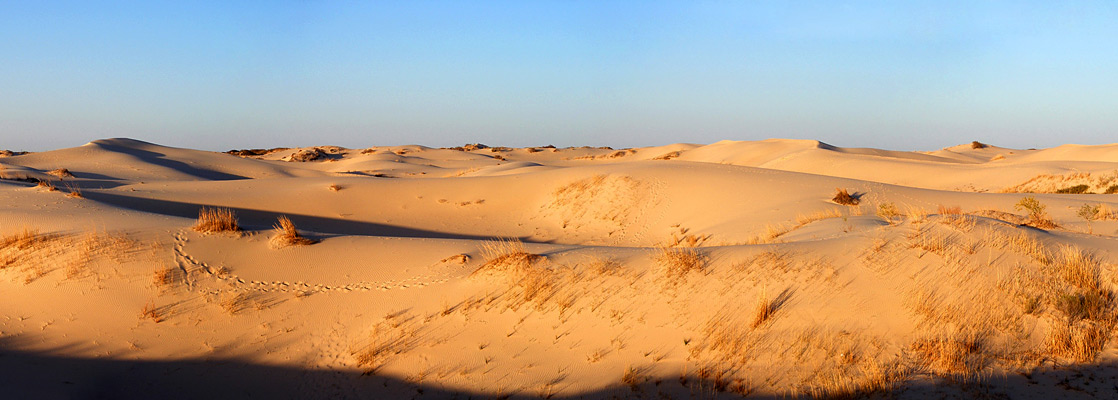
(1111, 190)
(286, 234)
(767, 307)
(1081, 341)
(679, 261)
(506, 255)
(888, 212)
(959, 355)
(1077, 189)
(842, 196)
(216, 220)
(61, 173)
(977, 145)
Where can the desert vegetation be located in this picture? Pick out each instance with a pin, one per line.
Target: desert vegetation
(284, 234)
(591, 273)
(842, 196)
(216, 220)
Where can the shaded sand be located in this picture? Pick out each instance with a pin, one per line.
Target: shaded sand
(679, 271)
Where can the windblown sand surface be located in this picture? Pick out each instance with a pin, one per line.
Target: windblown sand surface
(680, 271)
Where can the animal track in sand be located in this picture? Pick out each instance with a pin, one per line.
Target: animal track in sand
(191, 267)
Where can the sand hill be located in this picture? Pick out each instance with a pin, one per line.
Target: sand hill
(134, 270)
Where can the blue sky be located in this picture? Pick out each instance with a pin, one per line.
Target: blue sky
(235, 74)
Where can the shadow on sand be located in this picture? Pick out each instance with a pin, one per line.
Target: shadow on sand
(263, 220)
(29, 375)
(161, 159)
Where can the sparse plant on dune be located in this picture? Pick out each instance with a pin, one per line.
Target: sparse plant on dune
(216, 220)
(245, 301)
(153, 313)
(804, 219)
(1081, 341)
(952, 210)
(1077, 189)
(917, 215)
(166, 278)
(73, 191)
(505, 255)
(1038, 218)
(61, 173)
(524, 272)
(842, 196)
(767, 307)
(397, 334)
(633, 378)
(957, 356)
(335, 187)
(977, 145)
(888, 212)
(677, 262)
(1089, 213)
(286, 235)
(47, 185)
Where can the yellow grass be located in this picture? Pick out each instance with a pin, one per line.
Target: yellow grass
(61, 173)
(677, 262)
(216, 220)
(1080, 341)
(285, 234)
(842, 196)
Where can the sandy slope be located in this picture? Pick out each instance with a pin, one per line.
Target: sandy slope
(677, 271)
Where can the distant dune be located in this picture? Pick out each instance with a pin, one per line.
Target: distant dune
(680, 271)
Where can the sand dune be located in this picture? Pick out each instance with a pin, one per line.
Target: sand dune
(676, 271)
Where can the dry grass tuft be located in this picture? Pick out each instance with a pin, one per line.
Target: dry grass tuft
(286, 235)
(804, 219)
(767, 307)
(245, 301)
(165, 278)
(1075, 189)
(845, 198)
(958, 356)
(47, 185)
(888, 212)
(216, 220)
(397, 334)
(679, 261)
(61, 173)
(953, 210)
(153, 313)
(916, 215)
(506, 255)
(1077, 268)
(335, 187)
(633, 378)
(1081, 341)
(24, 239)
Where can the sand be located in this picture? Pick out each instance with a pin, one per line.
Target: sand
(679, 271)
